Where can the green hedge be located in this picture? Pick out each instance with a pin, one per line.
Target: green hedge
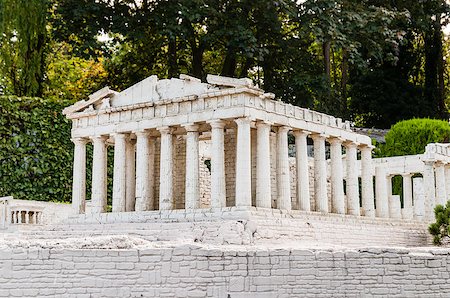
(35, 149)
(411, 136)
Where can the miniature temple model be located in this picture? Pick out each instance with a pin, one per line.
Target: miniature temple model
(157, 128)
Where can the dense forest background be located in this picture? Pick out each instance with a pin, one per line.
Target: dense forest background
(373, 62)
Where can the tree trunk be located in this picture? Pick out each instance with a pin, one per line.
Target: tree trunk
(326, 47)
(244, 71)
(197, 60)
(344, 81)
(172, 59)
(229, 64)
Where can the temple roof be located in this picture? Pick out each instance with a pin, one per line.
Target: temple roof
(153, 89)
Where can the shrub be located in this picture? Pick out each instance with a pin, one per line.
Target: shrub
(411, 136)
(440, 229)
(35, 149)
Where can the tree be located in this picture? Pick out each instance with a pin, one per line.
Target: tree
(23, 46)
(440, 229)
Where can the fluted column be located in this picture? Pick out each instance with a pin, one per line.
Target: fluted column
(352, 183)
(218, 195)
(263, 180)
(407, 197)
(243, 163)
(79, 176)
(447, 181)
(419, 198)
(283, 177)
(192, 192)
(381, 192)
(166, 169)
(367, 181)
(337, 180)
(320, 173)
(441, 194)
(144, 194)
(429, 187)
(99, 175)
(119, 175)
(130, 192)
(302, 166)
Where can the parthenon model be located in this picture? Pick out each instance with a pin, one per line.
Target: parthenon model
(185, 144)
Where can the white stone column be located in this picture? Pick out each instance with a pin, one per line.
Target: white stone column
(429, 189)
(441, 194)
(119, 175)
(283, 177)
(263, 180)
(419, 198)
(166, 169)
(14, 217)
(367, 181)
(144, 194)
(192, 192)
(407, 212)
(27, 217)
(19, 216)
(34, 218)
(352, 183)
(130, 192)
(99, 175)
(447, 181)
(381, 192)
(79, 176)
(218, 195)
(395, 207)
(243, 163)
(320, 174)
(302, 166)
(337, 180)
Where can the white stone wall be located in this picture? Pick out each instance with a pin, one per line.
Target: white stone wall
(198, 271)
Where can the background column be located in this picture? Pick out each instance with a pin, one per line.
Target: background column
(320, 173)
(429, 187)
(283, 177)
(302, 165)
(79, 176)
(352, 182)
(218, 195)
(381, 192)
(367, 181)
(337, 181)
(441, 194)
(166, 169)
(243, 163)
(192, 192)
(144, 196)
(119, 176)
(263, 180)
(131, 175)
(407, 196)
(99, 175)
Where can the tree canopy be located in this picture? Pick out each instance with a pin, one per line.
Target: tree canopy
(373, 62)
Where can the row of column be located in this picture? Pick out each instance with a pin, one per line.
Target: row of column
(26, 217)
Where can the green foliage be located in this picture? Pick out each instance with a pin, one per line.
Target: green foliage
(35, 149)
(23, 41)
(411, 136)
(440, 228)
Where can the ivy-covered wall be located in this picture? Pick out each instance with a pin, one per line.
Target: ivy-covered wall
(36, 152)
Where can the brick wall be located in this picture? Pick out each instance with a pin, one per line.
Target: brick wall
(198, 271)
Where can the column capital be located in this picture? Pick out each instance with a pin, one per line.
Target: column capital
(119, 135)
(100, 138)
(263, 124)
(300, 133)
(164, 130)
(366, 147)
(335, 140)
(142, 133)
(243, 120)
(350, 144)
(407, 175)
(217, 124)
(191, 127)
(284, 129)
(80, 141)
(318, 136)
